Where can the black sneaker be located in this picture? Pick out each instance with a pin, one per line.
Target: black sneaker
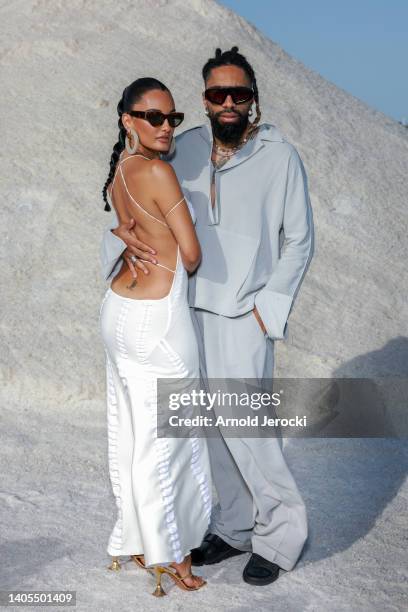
(260, 571)
(213, 549)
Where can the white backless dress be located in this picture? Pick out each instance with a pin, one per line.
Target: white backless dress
(162, 486)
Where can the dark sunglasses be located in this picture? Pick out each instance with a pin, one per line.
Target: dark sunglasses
(239, 95)
(156, 117)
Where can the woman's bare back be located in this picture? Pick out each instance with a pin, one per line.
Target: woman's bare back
(131, 193)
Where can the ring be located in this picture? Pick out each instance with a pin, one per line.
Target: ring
(133, 258)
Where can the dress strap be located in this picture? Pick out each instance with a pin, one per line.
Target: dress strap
(158, 264)
(173, 207)
(135, 155)
(137, 203)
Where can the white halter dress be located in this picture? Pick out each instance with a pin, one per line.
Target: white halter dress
(162, 486)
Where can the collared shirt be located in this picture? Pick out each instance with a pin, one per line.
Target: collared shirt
(258, 239)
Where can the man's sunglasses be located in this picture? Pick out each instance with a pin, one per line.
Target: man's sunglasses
(156, 117)
(239, 95)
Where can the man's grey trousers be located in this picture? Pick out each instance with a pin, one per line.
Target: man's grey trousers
(260, 508)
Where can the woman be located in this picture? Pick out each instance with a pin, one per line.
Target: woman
(161, 485)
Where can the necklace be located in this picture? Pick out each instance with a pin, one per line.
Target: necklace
(226, 153)
(230, 150)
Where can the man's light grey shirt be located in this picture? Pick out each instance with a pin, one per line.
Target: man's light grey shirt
(257, 241)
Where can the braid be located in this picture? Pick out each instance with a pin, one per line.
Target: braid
(232, 57)
(131, 94)
(257, 119)
(117, 149)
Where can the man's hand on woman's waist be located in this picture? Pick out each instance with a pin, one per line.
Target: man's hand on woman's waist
(135, 248)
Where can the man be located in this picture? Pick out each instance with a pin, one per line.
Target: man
(249, 190)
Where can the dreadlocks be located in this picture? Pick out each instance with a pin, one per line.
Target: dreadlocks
(233, 58)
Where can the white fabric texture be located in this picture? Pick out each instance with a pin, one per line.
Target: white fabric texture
(162, 486)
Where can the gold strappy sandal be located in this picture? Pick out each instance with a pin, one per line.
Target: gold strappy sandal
(139, 560)
(160, 570)
(115, 565)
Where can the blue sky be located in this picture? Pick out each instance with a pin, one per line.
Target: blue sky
(360, 45)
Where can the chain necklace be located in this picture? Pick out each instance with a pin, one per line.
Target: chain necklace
(227, 153)
(230, 150)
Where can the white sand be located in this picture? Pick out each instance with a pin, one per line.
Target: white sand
(64, 66)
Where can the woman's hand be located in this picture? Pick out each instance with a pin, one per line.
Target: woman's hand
(126, 232)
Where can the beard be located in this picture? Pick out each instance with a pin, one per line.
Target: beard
(230, 133)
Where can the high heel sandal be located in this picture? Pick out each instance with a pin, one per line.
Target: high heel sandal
(139, 561)
(160, 570)
(115, 565)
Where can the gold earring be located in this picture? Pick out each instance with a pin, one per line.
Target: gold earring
(131, 146)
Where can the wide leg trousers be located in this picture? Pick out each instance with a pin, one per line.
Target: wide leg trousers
(260, 508)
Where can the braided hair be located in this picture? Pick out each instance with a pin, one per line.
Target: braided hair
(233, 58)
(131, 94)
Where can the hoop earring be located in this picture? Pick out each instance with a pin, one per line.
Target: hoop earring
(172, 149)
(131, 134)
(250, 112)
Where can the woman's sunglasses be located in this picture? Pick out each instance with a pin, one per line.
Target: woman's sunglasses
(156, 117)
(239, 95)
